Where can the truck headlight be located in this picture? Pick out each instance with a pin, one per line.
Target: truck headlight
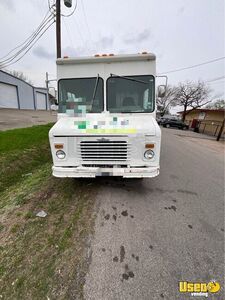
(149, 154)
(60, 154)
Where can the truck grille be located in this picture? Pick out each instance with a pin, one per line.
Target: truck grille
(104, 150)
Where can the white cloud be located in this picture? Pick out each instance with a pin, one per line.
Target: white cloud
(136, 38)
(41, 52)
(9, 4)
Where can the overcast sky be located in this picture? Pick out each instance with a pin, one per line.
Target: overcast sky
(180, 32)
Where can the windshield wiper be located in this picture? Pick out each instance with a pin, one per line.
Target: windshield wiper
(95, 90)
(129, 78)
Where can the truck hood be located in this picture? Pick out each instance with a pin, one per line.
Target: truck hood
(105, 125)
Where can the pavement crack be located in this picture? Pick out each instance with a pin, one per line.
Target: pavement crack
(122, 253)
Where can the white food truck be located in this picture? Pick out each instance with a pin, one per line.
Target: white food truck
(106, 122)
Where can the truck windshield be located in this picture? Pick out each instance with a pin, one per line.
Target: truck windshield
(81, 95)
(130, 94)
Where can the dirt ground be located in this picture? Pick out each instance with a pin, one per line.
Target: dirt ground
(14, 118)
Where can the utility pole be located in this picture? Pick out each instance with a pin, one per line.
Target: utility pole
(68, 3)
(221, 130)
(47, 87)
(58, 29)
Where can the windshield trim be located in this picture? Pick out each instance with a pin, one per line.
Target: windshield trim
(132, 76)
(93, 77)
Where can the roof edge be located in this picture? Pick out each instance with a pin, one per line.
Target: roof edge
(108, 58)
(202, 109)
(21, 80)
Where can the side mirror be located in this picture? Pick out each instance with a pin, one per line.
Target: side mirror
(161, 91)
(54, 107)
(52, 91)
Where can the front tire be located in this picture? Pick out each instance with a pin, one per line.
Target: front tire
(167, 125)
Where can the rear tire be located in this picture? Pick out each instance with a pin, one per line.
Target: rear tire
(167, 125)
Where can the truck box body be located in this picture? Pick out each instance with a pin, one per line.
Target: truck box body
(106, 118)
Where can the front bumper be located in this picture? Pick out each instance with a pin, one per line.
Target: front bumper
(82, 172)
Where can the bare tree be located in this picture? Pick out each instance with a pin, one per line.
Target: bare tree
(217, 104)
(164, 103)
(192, 95)
(20, 75)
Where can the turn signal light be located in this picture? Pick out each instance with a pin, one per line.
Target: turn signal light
(149, 146)
(58, 146)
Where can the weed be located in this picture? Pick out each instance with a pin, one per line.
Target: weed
(15, 228)
(1, 227)
(34, 250)
(29, 215)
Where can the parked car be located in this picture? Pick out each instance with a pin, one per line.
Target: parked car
(175, 123)
(161, 120)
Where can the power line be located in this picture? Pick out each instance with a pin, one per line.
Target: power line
(9, 64)
(86, 22)
(43, 26)
(68, 33)
(216, 82)
(30, 41)
(30, 37)
(76, 25)
(215, 79)
(49, 5)
(194, 66)
(33, 37)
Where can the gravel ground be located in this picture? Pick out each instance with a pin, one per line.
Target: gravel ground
(13, 118)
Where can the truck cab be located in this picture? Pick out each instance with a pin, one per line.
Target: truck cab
(106, 122)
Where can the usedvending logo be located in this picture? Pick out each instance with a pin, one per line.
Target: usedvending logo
(202, 289)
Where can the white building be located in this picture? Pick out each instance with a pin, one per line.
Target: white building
(19, 94)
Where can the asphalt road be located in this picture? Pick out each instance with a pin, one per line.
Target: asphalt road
(151, 234)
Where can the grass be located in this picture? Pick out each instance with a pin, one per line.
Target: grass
(21, 151)
(40, 257)
(23, 138)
